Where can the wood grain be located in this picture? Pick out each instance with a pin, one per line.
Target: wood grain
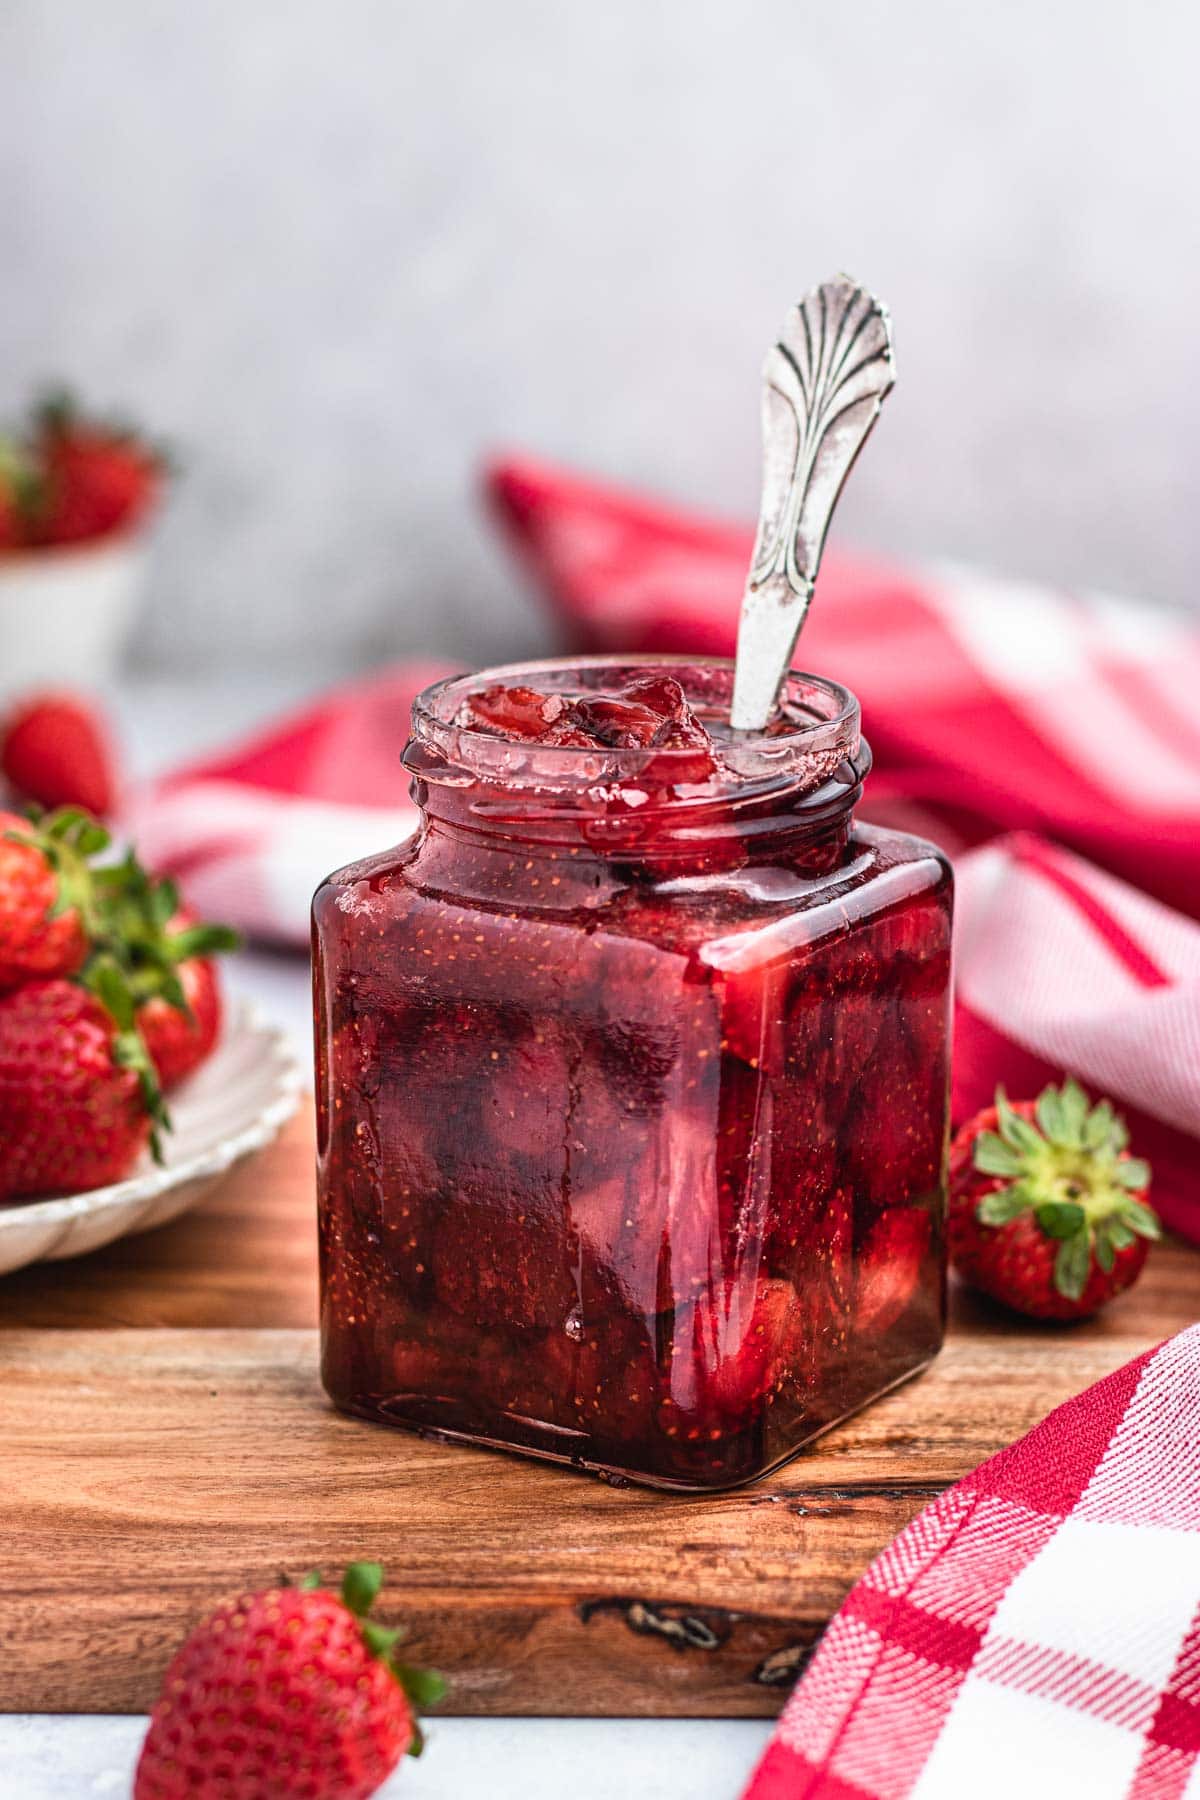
(166, 1440)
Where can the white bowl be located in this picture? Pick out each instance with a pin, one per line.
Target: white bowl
(232, 1106)
(66, 612)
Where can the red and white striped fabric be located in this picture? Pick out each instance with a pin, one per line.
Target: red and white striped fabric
(1033, 1633)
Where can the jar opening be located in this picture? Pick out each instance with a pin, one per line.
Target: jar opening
(816, 730)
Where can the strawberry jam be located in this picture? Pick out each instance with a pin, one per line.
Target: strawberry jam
(632, 1079)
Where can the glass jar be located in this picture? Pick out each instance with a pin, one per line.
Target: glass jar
(632, 1092)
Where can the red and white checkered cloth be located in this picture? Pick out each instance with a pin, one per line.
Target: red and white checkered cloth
(992, 708)
(1033, 1634)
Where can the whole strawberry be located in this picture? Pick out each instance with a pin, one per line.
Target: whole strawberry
(166, 957)
(96, 477)
(55, 751)
(1048, 1210)
(106, 997)
(292, 1691)
(45, 895)
(178, 1039)
(76, 1093)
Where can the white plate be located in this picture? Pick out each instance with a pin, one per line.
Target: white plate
(232, 1106)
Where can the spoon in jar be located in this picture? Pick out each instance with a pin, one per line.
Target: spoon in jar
(824, 384)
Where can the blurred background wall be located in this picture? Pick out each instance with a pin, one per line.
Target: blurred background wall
(336, 253)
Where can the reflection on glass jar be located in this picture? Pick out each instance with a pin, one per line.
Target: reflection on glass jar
(632, 1091)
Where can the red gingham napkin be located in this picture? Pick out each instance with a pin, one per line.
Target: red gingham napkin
(1035, 1632)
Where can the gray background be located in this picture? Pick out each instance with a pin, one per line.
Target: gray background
(337, 252)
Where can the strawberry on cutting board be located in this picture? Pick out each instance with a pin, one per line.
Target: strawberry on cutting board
(294, 1691)
(1048, 1210)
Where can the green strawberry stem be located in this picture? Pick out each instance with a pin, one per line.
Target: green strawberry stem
(361, 1585)
(104, 977)
(1071, 1170)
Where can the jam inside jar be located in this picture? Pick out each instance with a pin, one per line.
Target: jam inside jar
(632, 1075)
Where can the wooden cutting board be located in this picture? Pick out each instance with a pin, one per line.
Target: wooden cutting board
(164, 1440)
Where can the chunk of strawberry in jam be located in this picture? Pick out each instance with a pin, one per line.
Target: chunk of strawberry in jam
(502, 1255)
(889, 1266)
(740, 1340)
(649, 713)
(516, 712)
(593, 1373)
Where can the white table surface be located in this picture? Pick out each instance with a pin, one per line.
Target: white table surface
(83, 1758)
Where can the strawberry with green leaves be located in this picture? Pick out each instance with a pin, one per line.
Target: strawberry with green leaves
(166, 956)
(95, 477)
(46, 900)
(107, 998)
(291, 1691)
(78, 1096)
(67, 477)
(1048, 1210)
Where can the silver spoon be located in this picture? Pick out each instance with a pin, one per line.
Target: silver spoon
(824, 384)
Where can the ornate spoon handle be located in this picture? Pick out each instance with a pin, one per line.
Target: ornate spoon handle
(824, 383)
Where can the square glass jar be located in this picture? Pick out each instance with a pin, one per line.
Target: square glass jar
(632, 1093)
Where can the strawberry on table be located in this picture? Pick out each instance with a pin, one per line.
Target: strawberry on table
(55, 751)
(1048, 1209)
(290, 1691)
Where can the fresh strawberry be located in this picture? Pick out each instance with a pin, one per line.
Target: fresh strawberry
(1048, 1210)
(55, 751)
(288, 1692)
(180, 1038)
(76, 1092)
(80, 1094)
(164, 957)
(97, 478)
(45, 895)
(888, 1266)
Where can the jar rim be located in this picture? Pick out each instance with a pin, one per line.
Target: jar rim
(823, 725)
